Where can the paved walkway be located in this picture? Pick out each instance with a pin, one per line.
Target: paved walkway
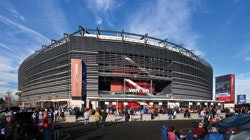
(138, 130)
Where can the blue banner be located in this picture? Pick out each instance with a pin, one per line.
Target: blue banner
(241, 99)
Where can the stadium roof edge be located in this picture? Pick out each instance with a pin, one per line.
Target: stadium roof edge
(141, 39)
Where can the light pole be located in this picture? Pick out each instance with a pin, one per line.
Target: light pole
(19, 94)
(39, 100)
(8, 99)
(56, 104)
(55, 97)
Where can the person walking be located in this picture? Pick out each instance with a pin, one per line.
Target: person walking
(97, 118)
(174, 113)
(40, 116)
(104, 115)
(127, 116)
(46, 126)
(164, 133)
(218, 112)
(86, 117)
(170, 113)
(204, 116)
(152, 113)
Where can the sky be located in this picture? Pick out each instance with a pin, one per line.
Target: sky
(216, 30)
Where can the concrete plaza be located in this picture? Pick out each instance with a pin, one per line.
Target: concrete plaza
(135, 130)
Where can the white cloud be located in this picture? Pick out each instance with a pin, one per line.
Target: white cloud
(235, 2)
(8, 72)
(247, 58)
(103, 10)
(8, 78)
(16, 14)
(166, 19)
(56, 17)
(242, 84)
(17, 42)
(13, 24)
(6, 47)
(99, 21)
(101, 5)
(244, 53)
(244, 75)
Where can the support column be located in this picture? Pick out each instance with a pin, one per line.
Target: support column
(117, 107)
(94, 104)
(87, 103)
(151, 91)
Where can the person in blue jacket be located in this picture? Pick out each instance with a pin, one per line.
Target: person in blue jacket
(164, 133)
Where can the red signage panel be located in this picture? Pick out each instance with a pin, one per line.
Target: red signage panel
(76, 77)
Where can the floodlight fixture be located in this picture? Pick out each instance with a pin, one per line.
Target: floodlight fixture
(122, 34)
(53, 41)
(98, 31)
(144, 36)
(65, 35)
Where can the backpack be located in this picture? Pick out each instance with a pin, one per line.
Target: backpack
(214, 136)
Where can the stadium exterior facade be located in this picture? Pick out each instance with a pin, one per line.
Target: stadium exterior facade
(116, 66)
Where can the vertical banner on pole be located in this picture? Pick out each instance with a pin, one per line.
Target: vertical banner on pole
(76, 77)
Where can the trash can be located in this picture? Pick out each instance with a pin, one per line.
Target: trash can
(57, 132)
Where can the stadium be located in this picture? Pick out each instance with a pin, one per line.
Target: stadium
(94, 67)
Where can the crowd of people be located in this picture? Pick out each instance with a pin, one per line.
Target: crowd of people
(206, 114)
(99, 116)
(203, 131)
(127, 112)
(44, 120)
(29, 124)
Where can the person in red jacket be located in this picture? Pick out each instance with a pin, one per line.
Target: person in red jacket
(198, 133)
(46, 126)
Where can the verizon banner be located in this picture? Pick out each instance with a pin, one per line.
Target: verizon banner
(76, 77)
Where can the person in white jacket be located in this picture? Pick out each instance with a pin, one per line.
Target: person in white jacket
(204, 116)
(86, 117)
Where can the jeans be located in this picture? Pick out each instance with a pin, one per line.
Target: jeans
(103, 121)
(190, 136)
(86, 122)
(170, 117)
(46, 134)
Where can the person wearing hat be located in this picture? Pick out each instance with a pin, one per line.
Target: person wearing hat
(10, 127)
